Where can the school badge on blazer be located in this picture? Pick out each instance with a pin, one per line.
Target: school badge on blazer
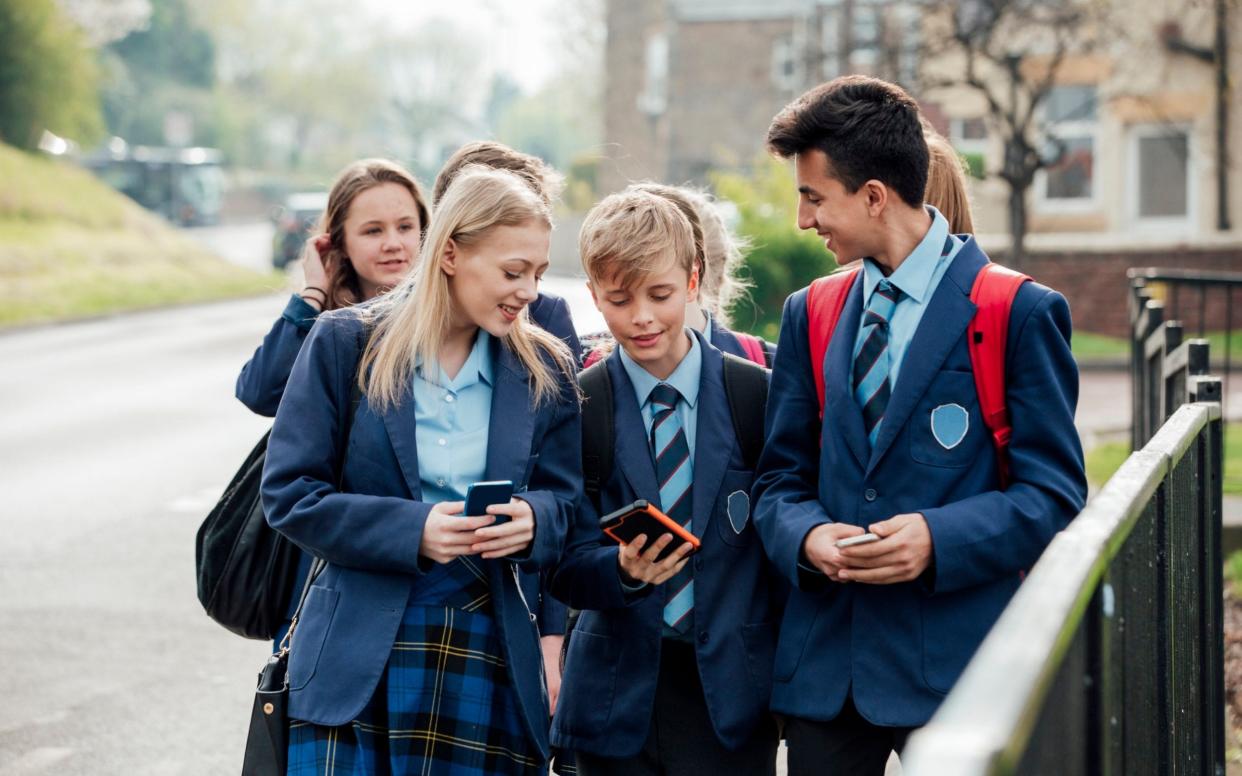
(738, 509)
(949, 424)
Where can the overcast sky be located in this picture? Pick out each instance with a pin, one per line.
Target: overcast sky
(519, 36)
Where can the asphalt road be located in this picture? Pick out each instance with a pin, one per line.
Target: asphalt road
(116, 438)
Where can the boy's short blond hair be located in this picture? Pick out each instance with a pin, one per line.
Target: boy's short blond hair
(633, 234)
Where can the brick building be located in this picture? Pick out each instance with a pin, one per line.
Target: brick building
(691, 86)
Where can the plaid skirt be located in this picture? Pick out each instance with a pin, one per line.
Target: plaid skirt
(444, 705)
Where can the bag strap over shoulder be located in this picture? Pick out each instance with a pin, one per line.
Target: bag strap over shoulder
(993, 293)
(825, 299)
(597, 428)
(746, 387)
(753, 347)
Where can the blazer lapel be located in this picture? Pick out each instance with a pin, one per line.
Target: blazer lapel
(944, 321)
(841, 412)
(400, 425)
(713, 441)
(512, 425)
(633, 454)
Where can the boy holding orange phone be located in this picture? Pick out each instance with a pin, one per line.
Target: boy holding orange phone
(669, 667)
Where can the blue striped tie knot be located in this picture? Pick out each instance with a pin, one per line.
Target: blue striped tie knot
(674, 472)
(871, 382)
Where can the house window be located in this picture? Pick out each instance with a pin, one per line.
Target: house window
(1160, 174)
(865, 37)
(784, 64)
(910, 24)
(830, 39)
(1069, 118)
(653, 99)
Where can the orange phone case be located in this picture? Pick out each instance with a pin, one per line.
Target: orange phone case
(641, 517)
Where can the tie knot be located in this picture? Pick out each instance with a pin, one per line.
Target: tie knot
(664, 395)
(883, 300)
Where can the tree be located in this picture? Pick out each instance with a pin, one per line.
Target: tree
(48, 76)
(1011, 52)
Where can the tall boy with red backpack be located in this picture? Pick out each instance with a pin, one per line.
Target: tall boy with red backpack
(920, 450)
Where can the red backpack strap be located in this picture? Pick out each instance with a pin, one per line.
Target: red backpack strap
(752, 347)
(595, 355)
(993, 294)
(825, 299)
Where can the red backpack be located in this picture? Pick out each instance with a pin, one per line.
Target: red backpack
(993, 293)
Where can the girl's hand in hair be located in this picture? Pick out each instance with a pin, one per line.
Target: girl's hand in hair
(314, 275)
(507, 538)
(448, 534)
(642, 567)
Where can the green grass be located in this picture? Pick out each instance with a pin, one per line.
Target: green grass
(1088, 346)
(1104, 460)
(1233, 568)
(71, 247)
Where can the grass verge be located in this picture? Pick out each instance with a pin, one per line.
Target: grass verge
(1103, 460)
(70, 247)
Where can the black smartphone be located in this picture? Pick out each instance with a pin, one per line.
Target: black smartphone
(642, 519)
(482, 495)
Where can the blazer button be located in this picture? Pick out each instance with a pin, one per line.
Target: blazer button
(702, 637)
(870, 494)
(698, 564)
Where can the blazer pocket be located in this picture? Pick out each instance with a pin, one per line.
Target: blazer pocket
(307, 643)
(946, 429)
(732, 510)
(590, 677)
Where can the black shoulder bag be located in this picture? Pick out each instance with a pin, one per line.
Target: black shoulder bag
(246, 571)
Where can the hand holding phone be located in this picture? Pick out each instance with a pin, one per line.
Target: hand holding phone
(482, 495)
(850, 541)
(642, 519)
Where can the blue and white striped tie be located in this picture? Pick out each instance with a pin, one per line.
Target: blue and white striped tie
(871, 362)
(675, 475)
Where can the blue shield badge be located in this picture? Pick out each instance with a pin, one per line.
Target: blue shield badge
(949, 423)
(738, 509)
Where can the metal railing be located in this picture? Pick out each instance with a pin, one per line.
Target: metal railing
(1109, 659)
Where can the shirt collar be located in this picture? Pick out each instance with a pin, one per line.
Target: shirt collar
(685, 378)
(477, 369)
(915, 274)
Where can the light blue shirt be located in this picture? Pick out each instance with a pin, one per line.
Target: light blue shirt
(451, 419)
(918, 277)
(685, 378)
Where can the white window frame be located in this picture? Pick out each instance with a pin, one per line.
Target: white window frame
(974, 145)
(785, 64)
(1073, 130)
(653, 99)
(1176, 224)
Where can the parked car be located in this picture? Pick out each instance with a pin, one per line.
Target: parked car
(294, 222)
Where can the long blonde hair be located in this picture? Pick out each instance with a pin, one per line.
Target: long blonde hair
(412, 321)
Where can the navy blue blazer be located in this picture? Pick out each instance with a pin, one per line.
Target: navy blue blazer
(369, 534)
(609, 683)
(898, 649)
(262, 380)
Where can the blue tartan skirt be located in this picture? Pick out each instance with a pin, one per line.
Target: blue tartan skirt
(444, 705)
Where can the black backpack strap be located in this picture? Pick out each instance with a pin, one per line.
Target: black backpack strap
(746, 387)
(597, 428)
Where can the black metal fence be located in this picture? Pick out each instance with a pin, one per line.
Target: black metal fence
(1109, 660)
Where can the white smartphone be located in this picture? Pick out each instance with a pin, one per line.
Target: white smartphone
(850, 541)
